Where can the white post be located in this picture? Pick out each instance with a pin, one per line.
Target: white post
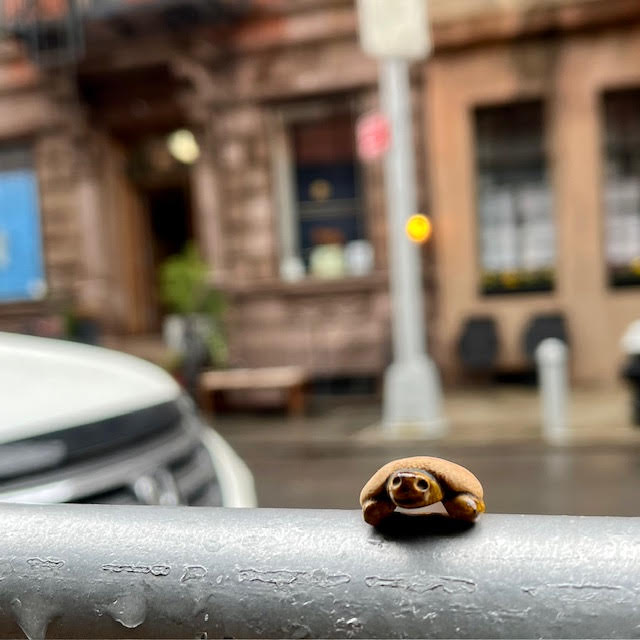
(412, 394)
(551, 358)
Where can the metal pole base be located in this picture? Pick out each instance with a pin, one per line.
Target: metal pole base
(412, 400)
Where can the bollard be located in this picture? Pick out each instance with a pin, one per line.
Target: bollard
(551, 359)
(631, 372)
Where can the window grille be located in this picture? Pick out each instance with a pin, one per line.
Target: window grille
(52, 30)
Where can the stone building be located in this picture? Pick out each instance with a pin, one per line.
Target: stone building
(534, 140)
(526, 135)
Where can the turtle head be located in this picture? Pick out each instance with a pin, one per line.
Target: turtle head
(413, 488)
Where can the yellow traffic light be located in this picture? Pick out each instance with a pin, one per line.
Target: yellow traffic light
(418, 228)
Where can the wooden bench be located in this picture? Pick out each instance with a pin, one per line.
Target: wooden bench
(291, 379)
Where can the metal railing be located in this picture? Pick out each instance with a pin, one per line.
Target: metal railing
(54, 30)
(172, 572)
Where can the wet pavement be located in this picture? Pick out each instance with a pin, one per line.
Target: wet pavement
(323, 461)
(516, 478)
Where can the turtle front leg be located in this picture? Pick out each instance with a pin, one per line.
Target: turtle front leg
(376, 510)
(464, 506)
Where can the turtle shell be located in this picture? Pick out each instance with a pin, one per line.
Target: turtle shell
(452, 477)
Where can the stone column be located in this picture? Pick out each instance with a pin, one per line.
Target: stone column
(92, 285)
(206, 203)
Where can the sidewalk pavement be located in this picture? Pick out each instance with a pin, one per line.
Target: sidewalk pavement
(480, 415)
(487, 415)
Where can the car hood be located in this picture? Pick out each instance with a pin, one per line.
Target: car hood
(47, 385)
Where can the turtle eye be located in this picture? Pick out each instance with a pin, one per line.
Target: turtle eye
(422, 484)
(396, 482)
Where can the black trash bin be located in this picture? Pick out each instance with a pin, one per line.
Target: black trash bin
(478, 344)
(541, 327)
(631, 373)
(631, 370)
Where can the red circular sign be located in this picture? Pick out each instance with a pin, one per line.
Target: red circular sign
(373, 136)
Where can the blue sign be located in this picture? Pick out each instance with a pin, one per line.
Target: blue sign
(21, 268)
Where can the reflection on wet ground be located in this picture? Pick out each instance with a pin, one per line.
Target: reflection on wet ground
(516, 478)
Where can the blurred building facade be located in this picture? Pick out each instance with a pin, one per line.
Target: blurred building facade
(528, 148)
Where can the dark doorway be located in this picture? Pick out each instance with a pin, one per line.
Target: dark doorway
(170, 218)
(160, 218)
(171, 227)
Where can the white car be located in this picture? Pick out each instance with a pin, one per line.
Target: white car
(84, 424)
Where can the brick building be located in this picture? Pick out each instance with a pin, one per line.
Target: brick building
(527, 139)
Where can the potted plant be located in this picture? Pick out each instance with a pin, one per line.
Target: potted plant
(194, 326)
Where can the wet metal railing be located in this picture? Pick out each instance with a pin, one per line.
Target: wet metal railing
(171, 572)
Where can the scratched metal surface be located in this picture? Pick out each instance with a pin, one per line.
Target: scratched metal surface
(105, 571)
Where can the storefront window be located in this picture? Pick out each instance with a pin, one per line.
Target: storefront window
(622, 186)
(21, 265)
(514, 201)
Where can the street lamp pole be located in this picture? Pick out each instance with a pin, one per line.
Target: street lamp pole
(412, 394)
(407, 298)
(395, 31)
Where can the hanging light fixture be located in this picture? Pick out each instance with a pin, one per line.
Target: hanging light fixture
(183, 146)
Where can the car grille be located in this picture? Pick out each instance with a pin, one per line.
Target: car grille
(169, 466)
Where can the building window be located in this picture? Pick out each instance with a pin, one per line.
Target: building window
(327, 184)
(21, 265)
(622, 186)
(515, 217)
(320, 204)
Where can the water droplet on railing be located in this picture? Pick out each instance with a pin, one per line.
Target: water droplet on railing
(129, 610)
(32, 617)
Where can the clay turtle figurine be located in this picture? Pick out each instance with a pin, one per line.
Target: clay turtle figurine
(420, 481)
